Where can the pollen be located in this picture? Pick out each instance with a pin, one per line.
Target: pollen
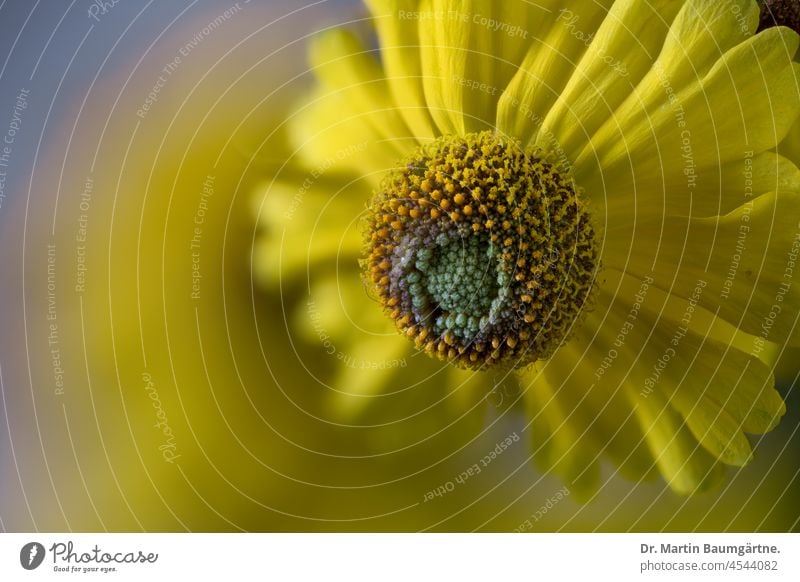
(490, 222)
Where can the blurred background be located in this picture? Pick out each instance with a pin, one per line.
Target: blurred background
(147, 384)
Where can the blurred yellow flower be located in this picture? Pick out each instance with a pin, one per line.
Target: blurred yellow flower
(654, 124)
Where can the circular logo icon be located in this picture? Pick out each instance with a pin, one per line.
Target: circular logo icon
(31, 555)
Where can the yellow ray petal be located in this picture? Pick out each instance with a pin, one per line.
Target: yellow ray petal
(599, 405)
(305, 225)
(747, 257)
(711, 191)
(678, 125)
(716, 431)
(720, 390)
(686, 466)
(560, 444)
(470, 50)
(620, 53)
(367, 368)
(556, 46)
(397, 31)
(350, 121)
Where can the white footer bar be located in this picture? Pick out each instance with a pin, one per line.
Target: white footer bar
(400, 557)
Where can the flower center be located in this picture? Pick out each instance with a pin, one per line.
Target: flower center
(779, 13)
(480, 251)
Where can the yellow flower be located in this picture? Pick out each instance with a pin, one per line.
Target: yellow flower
(586, 200)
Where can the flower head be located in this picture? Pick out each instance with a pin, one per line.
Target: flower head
(588, 195)
(481, 252)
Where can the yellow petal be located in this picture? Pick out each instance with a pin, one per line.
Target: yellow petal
(399, 37)
(747, 257)
(367, 368)
(744, 104)
(305, 224)
(355, 338)
(559, 442)
(633, 343)
(350, 122)
(717, 432)
(674, 367)
(672, 347)
(686, 466)
(599, 404)
(557, 44)
(703, 31)
(620, 53)
(470, 49)
(713, 191)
